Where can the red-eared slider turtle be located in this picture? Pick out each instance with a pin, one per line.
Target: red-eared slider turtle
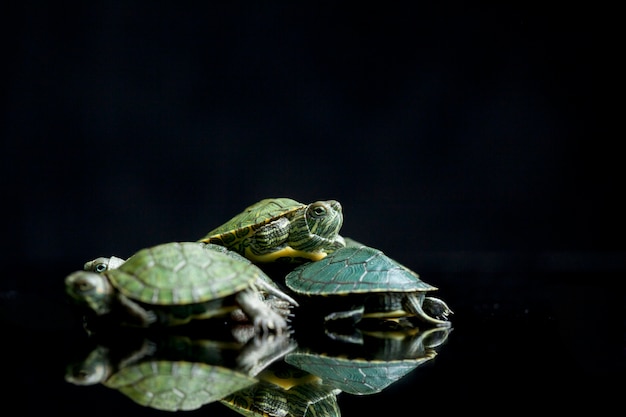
(282, 229)
(173, 283)
(275, 299)
(358, 281)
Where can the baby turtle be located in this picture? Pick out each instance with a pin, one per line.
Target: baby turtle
(173, 283)
(275, 299)
(282, 229)
(358, 281)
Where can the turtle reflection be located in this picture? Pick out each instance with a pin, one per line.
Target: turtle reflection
(175, 372)
(284, 390)
(368, 367)
(265, 376)
(308, 382)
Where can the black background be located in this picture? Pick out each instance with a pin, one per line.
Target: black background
(468, 141)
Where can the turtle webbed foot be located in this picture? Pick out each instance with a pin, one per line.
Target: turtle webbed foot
(281, 307)
(437, 308)
(265, 319)
(270, 322)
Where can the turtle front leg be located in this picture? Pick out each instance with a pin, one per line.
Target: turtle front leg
(354, 315)
(262, 316)
(270, 236)
(276, 292)
(144, 317)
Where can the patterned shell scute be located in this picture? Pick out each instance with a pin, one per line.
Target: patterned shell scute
(259, 213)
(172, 386)
(353, 270)
(355, 375)
(181, 273)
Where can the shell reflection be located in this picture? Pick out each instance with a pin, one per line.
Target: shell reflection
(260, 376)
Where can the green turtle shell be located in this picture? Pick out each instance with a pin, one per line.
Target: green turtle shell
(253, 217)
(177, 385)
(354, 270)
(180, 273)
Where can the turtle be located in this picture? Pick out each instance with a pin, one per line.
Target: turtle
(173, 283)
(379, 361)
(277, 302)
(283, 230)
(171, 372)
(358, 281)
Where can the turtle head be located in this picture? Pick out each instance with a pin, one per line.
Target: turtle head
(323, 221)
(103, 264)
(94, 369)
(91, 289)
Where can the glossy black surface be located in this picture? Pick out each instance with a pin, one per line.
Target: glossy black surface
(543, 339)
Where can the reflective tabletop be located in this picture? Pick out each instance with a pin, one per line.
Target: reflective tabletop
(515, 342)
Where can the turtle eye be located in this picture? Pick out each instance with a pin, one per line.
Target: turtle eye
(318, 211)
(101, 267)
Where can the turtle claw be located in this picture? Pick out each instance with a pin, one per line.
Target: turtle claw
(281, 307)
(265, 325)
(151, 317)
(437, 308)
(264, 318)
